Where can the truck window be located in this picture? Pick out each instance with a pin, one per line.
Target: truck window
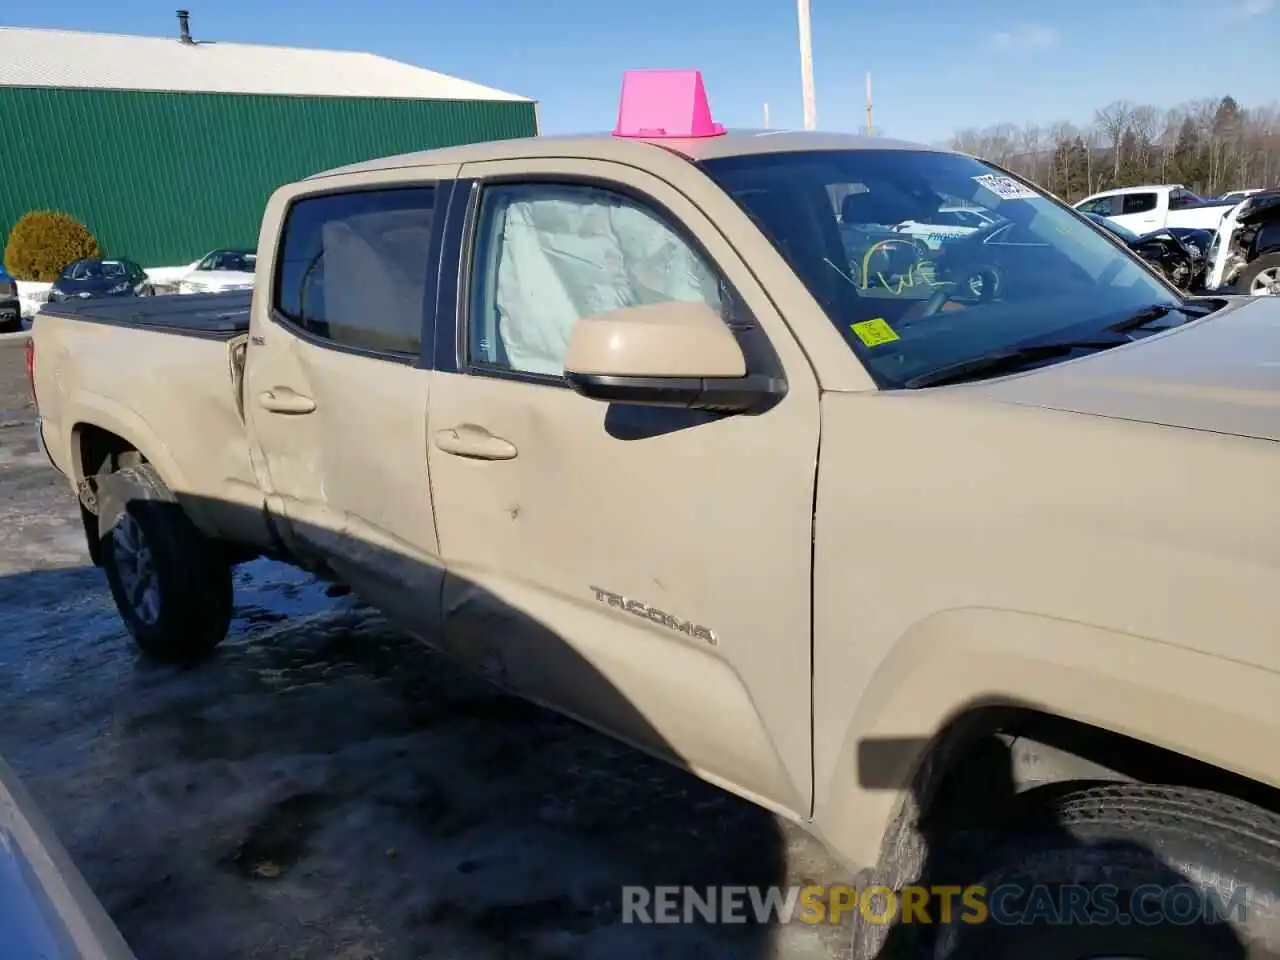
(353, 267)
(1182, 199)
(1103, 206)
(1138, 202)
(549, 254)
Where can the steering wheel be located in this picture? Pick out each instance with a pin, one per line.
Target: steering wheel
(990, 277)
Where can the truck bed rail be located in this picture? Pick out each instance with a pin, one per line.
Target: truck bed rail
(216, 316)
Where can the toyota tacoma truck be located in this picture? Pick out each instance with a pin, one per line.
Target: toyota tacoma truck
(965, 559)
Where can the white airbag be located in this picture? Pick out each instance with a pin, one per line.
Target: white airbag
(575, 253)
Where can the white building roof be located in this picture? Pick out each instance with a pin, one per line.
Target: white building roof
(108, 61)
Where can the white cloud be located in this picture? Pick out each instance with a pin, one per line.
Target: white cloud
(1247, 9)
(1030, 36)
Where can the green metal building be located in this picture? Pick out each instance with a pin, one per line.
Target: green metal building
(167, 148)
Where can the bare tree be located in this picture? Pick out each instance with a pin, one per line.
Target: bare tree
(1210, 144)
(1030, 143)
(1113, 120)
(1144, 122)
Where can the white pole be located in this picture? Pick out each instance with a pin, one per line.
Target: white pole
(806, 65)
(766, 116)
(870, 131)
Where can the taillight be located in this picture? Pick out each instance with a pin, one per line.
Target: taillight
(31, 367)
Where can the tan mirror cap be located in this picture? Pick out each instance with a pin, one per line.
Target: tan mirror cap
(673, 339)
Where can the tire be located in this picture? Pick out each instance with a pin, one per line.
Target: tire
(1109, 834)
(1251, 270)
(185, 609)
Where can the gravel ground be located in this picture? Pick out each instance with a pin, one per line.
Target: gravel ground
(325, 788)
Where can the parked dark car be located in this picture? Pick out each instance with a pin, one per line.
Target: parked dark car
(1180, 253)
(10, 307)
(101, 278)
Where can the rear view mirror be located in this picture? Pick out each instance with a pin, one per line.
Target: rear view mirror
(673, 354)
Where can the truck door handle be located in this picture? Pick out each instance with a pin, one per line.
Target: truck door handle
(284, 400)
(473, 442)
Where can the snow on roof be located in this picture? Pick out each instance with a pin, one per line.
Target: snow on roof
(32, 57)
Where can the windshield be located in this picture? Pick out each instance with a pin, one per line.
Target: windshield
(910, 295)
(228, 260)
(96, 270)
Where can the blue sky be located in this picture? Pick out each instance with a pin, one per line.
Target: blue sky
(937, 65)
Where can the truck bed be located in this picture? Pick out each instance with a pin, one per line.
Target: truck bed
(216, 316)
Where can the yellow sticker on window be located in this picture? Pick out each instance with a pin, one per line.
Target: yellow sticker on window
(873, 333)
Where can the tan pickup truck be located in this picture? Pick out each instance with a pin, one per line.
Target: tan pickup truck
(965, 557)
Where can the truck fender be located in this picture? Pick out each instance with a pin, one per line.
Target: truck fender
(955, 662)
(93, 409)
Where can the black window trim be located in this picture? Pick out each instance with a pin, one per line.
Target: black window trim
(422, 358)
(760, 354)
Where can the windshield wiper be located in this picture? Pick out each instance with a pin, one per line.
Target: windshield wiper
(1009, 359)
(1140, 319)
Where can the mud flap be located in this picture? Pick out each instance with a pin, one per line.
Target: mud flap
(87, 494)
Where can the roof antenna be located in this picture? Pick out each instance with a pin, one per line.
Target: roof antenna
(184, 26)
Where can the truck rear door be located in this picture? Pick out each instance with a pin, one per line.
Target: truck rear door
(335, 384)
(642, 568)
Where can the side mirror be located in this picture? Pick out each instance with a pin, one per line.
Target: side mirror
(673, 354)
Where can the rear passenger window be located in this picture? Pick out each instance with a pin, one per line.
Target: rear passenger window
(1139, 202)
(353, 267)
(547, 255)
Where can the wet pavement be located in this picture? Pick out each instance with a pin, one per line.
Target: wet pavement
(326, 788)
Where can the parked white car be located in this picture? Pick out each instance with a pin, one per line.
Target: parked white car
(1144, 209)
(219, 271)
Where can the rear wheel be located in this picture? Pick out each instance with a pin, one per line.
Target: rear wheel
(171, 584)
(1128, 871)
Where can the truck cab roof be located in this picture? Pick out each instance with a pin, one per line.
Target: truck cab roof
(608, 146)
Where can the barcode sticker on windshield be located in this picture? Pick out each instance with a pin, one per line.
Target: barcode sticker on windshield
(873, 333)
(1006, 188)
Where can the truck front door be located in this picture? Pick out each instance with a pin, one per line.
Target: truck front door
(644, 569)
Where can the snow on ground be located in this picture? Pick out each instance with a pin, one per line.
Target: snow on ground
(324, 788)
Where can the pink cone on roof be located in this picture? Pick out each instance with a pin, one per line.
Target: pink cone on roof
(659, 104)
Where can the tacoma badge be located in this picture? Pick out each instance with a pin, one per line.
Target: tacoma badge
(661, 617)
